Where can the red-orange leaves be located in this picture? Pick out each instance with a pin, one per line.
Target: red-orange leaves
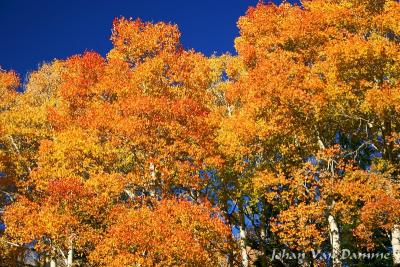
(174, 233)
(66, 190)
(83, 74)
(382, 213)
(9, 82)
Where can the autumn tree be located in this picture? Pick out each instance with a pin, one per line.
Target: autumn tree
(120, 134)
(313, 78)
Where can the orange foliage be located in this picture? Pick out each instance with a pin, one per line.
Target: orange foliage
(303, 124)
(173, 233)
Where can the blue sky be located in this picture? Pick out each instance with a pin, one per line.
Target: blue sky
(36, 31)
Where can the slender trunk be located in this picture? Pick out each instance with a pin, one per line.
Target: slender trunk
(396, 245)
(53, 262)
(152, 190)
(70, 256)
(231, 253)
(46, 260)
(242, 235)
(388, 155)
(333, 227)
(263, 235)
(389, 145)
(335, 241)
(232, 262)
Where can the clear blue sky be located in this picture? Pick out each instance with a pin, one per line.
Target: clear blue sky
(34, 31)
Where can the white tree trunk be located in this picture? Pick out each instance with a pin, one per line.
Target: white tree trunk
(242, 235)
(263, 236)
(53, 262)
(396, 245)
(152, 169)
(335, 241)
(70, 256)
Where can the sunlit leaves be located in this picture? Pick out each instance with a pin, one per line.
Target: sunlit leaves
(174, 233)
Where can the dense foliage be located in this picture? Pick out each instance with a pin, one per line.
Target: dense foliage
(160, 156)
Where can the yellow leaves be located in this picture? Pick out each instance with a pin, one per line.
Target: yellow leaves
(351, 16)
(387, 21)
(233, 135)
(108, 185)
(268, 28)
(357, 59)
(43, 85)
(270, 186)
(74, 152)
(23, 121)
(382, 101)
(189, 75)
(217, 66)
